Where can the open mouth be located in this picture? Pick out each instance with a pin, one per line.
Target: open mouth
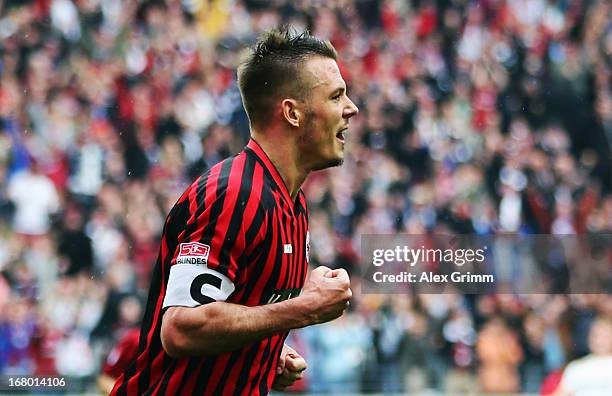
(341, 135)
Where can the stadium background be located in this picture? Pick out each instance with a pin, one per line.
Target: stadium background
(476, 117)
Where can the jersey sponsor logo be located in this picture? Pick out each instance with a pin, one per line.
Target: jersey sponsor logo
(193, 253)
(287, 248)
(282, 295)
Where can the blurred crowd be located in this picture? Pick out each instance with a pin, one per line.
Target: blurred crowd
(477, 117)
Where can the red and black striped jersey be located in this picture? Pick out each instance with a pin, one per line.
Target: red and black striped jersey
(234, 235)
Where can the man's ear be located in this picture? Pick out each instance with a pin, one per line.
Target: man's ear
(292, 112)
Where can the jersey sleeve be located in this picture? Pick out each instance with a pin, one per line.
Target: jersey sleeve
(212, 248)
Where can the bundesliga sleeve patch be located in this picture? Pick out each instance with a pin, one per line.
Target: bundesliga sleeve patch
(191, 282)
(193, 253)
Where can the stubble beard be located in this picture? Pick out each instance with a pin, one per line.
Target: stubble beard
(308, 140)
(330, 164)
(325, 162)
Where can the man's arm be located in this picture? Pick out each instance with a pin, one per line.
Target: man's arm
(220, 327)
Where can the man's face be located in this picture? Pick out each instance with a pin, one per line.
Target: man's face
(328, 110)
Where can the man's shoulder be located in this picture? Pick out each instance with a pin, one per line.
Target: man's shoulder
(218, 175)
(234, 176)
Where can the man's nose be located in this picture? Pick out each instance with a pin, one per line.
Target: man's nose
(351, 110)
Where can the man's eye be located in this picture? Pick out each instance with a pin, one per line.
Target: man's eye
(336, 97)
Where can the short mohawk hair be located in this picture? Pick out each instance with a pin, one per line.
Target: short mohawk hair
(273, 69)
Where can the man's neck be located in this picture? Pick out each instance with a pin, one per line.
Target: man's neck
(283, 155)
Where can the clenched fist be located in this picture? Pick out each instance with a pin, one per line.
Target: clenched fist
(327, 294)
(289, 369)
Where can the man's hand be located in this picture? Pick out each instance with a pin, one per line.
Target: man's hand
(289, 369)
(327, 294)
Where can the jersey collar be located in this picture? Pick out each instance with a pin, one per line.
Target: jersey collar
(276, 177)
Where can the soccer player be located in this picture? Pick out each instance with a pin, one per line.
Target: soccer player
(231, 278)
